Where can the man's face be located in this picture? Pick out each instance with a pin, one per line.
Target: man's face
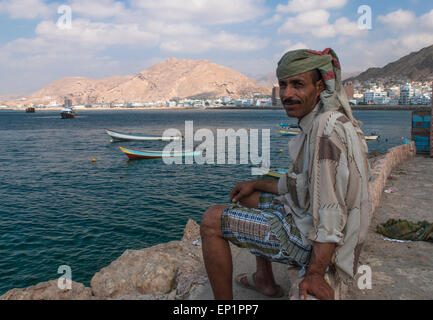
(299, 95)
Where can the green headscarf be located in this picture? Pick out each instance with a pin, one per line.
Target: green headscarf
(301, 61)
(406, 230)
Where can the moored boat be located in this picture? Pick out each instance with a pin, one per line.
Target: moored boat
(369, 138)
(30, 110)
(134, 154)
(289, 132)
(68, 113)
(287, 125)
(373, 136)
(119, 136)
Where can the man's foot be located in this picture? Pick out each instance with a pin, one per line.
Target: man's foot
(247, 281)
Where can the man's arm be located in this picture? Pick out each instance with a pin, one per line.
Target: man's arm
(246, 188)
(314, 282)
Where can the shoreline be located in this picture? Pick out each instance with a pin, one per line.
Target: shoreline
(355, 108)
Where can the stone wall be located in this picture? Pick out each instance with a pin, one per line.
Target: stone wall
(175, 269)
(381, 168)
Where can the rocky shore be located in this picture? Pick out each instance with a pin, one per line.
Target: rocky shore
(175, 270)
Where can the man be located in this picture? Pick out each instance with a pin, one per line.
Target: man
(316, 216)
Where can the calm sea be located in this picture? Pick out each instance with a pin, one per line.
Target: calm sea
(59, 208)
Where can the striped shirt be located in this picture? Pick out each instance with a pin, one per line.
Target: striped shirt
(326, 189)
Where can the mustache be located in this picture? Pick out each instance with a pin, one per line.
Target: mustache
(289, 101)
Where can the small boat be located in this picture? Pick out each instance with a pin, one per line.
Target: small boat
(68, 113)
(405, 141)
(119, 136)
(287, 125)
(154, 154)
(30, 110)
(275, 173)
(289, 132)
(369, 138)
(373, 136)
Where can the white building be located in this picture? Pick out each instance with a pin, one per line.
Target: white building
(376, 97)
(263, 102)
(421, 99)
(226, 99)
(406, 94)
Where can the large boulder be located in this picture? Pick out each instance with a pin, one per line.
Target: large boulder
(170, 269)
(49, 291)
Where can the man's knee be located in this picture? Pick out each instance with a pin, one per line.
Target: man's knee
(211, 222)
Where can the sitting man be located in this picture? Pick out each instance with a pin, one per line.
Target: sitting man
(317, 214)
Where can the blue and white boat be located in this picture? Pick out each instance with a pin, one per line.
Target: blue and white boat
(119, 136)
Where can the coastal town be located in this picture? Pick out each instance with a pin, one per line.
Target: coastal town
(381, 92)
(389, 92)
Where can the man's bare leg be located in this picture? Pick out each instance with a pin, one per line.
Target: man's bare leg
(263, 278)
(218, 260)
(216, 254)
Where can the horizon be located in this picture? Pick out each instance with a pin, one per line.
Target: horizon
(106, 38)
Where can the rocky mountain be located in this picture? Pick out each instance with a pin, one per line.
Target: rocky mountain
(172, 78)
(416, 66)
(267, 80)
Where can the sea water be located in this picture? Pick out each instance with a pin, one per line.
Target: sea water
(58, 207)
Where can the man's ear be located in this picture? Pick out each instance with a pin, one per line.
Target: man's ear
(320, 85)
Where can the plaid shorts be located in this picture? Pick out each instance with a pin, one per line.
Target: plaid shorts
(267, 232)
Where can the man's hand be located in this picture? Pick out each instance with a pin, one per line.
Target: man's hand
(315, 284)
(242, 189)
(246, 188)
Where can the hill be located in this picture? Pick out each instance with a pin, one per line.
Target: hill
(172, 78)
(416, 66)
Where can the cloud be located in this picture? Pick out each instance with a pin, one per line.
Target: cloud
(98, 9)
(274, 19)
(26, 9)
(290, 46)
(294, 6)
(306, 22)
(207, 12)
(414, 32)
(426, 20)
(317, 23)
(173, 29)
(346, 27)
(97, 35)
(222, 40)
(399, 19)
(416, 41)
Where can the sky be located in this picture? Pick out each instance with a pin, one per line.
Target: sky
(40, 42)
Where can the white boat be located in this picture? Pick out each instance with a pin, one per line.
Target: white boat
(68, 113)
(119, 136)
(368, 138)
